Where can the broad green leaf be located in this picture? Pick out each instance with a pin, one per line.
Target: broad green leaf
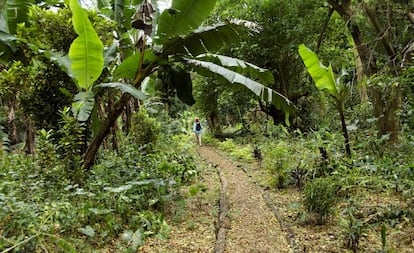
(125, 88)
(129, 67)
(183, 17)
(88, 230)
(118, 7)
(100, 211)
(118, 189)
(4, 26)
(110, 54)
(86, 51)
(144, 182)
(261, 91)
(181, 81)
(203, 40)
(103, 4)
(242, 67)
(82, 105)
(133, 239)
(322, 76)
(6, 37)
(14, 12)
(62, 60)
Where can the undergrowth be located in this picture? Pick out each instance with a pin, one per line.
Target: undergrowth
(119, 202)
(315, 162)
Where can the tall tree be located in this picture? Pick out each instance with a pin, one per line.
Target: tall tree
(386, 19)
(346, 11)
(281, 26)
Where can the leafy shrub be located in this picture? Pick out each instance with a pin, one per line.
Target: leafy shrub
(319, 198)
(145, 130)
(237, 151)
(353, 228)
(277, 163)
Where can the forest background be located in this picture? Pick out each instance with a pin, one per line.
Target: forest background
(90, 98)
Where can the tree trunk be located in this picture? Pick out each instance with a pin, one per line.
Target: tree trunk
(214, 123)
(382, 33)
(30, 137)
(11, 115)
(362, 87)
(325, 26)
(103, 131)
(368, 60)
(386, 104)
(386, 111)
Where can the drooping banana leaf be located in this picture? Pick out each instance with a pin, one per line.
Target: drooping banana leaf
(86, 51)
(125, 88)
(13, 12)
(205, 39)
(322, 76)
(110, 54)
(240, 66)
(62, 60)
(7, 46)
(181, 81)
(183, 17)
(258, 89)
(118, 10)
(6, 37)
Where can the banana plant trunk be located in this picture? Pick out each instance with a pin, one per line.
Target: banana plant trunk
(103, 131)
(344, 130)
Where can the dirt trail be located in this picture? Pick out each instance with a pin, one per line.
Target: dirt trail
(236, 220)
(253, 226)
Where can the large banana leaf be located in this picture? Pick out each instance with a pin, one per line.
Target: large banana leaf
(261, 91)
(183, 17)
(82, 105)
(181, 81)
(110, 54)
(118, 10)
(7, 46)
(4, 26)
(14, 12)
(129, 67)
(240, 66)
(322, 76)
(125, 88)
(86, 51)
(6, 37)
(205, 39)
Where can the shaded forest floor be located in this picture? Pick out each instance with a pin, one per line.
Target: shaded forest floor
(230, 208)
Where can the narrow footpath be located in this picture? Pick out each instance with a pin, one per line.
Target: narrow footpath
(252, 225)
(231, 215)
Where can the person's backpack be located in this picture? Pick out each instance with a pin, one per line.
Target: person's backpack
(198, 126)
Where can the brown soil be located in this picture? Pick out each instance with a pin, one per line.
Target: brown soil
(259, 218)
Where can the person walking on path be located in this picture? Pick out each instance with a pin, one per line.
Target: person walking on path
(197, 129)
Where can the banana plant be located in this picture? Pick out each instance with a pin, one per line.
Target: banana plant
(12, 12)
(175, 44)
(325, 81)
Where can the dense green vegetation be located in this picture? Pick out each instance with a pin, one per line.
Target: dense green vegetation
(96, 108)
